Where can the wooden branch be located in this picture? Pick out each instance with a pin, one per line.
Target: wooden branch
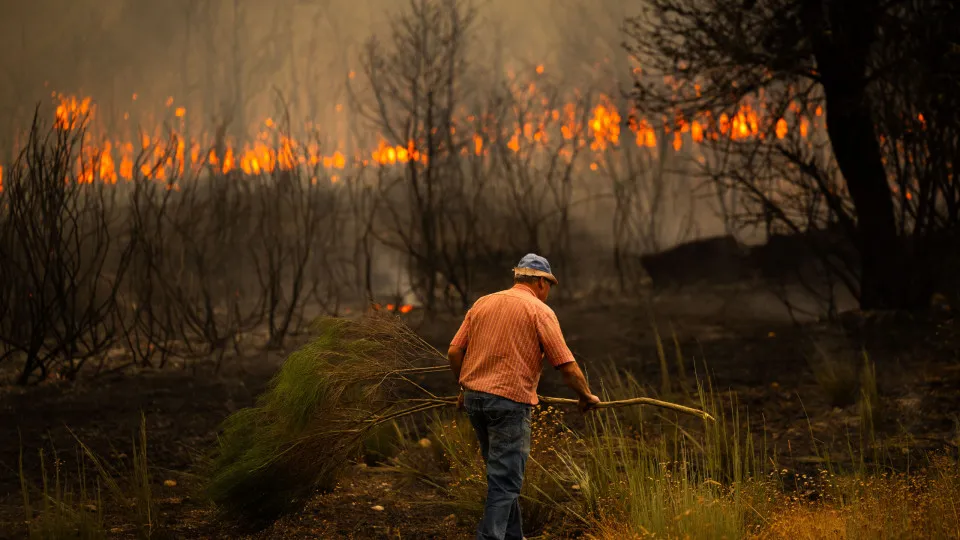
(602, 405)
(632, 401)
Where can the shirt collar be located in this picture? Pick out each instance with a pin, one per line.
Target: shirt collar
(523, 288)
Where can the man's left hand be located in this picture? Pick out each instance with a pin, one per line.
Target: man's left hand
(460, 406)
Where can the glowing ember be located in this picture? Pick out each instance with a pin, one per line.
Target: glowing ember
(696, 131)
(781, 128)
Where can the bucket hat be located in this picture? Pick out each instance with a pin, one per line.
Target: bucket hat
(534, 265)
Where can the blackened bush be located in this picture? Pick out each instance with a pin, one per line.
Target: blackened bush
(60, 262)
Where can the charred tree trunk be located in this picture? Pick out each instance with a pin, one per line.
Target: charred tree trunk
(843, 33)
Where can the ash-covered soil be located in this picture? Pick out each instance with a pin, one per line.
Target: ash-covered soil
(747, 344)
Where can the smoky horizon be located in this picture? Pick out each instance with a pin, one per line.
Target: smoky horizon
(243, 62)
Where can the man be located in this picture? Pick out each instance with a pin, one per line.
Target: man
(497, 357)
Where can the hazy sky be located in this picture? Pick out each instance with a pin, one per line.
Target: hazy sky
(188, 49)
(196, 51)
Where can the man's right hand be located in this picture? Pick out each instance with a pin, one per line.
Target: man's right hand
(588, 402)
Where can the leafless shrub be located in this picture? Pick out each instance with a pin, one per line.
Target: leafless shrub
(417, 86)
(647, 187)
(150, 322)
(196, 264)
(61, 264)
(537, 147)
(791, 190)
(295, 223)
(224, 253)
(362, 202)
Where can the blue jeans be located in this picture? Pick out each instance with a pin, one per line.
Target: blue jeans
(503, 429)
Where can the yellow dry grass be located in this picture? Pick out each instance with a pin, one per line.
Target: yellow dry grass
(807, 523)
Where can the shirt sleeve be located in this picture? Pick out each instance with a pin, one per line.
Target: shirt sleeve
(551, 338)
(462, 336)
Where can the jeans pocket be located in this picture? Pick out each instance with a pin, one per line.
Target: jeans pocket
(511, 424)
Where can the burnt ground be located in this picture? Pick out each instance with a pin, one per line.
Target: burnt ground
(742, 338)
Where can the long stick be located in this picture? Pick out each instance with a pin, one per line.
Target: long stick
(632, 401)
(602, 405)
(566, 401)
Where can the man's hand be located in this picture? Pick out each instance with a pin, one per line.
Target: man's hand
(576, 381)
(588, 402)
(460, 406)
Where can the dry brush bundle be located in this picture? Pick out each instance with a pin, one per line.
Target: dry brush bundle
(358, 374)
(314, 414)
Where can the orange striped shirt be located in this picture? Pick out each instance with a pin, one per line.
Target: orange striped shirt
(506, 336)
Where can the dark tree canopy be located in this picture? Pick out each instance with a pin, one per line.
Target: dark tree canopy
(886, 75)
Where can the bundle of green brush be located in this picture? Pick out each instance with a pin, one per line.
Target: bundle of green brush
(356, 375)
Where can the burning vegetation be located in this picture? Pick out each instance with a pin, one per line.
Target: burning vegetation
(162, 152)
(195, 252)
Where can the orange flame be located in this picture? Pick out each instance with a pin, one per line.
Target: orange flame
(71, 113)
(272, 150)
(605, 125)
(403, 308)
(781, 128)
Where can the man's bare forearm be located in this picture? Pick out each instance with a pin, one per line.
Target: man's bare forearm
(455, 357)
(574, 378)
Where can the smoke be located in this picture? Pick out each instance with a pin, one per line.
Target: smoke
(214, 54)
(239, 62)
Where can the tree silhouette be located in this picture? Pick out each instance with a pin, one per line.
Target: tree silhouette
(871, 65)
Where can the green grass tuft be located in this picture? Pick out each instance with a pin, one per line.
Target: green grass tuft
(63, 511)
(72, 506)
(327, 398)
